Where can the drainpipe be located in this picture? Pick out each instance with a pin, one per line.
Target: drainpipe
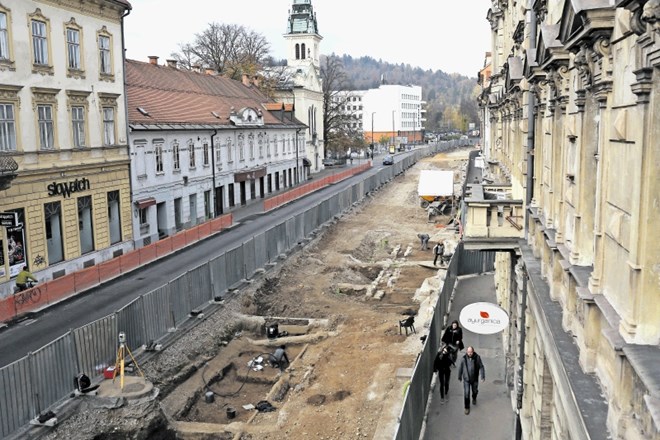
(531, 102)
(521, 357)
(215, 199)
(126, 127)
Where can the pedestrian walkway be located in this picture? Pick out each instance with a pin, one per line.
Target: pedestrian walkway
(256, 207)
(492, 417)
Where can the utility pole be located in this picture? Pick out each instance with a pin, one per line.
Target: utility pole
(393, 126)
(372, 134)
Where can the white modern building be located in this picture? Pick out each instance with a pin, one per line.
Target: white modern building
(391, 111)
(203, 144)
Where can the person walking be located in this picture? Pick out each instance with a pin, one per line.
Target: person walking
(442, 365)
(469, 371)
(424, 239)
(453, 336)
(438, 250)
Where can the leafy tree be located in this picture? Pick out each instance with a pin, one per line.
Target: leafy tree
(229, 49)
(337, 121)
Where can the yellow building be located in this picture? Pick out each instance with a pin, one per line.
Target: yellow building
(63, 125)
(572, 108)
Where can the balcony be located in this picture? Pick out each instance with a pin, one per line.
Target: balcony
(492, 220)
(8, 168)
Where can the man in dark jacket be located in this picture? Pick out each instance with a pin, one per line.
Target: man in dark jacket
(469, 371)
(442, 365)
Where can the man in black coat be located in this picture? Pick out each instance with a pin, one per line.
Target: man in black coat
(469, 371)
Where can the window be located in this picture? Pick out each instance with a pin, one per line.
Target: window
(53, 227)
(108, 126)
(251, 145)
(73, 48)
(191, 154)
(275, 144)
(267, 146)
(108, 109)
(46, 128)
(4, 37)
(114, 221)
(176, 156)
(158, 153)
(205, 154)
(207, 205)
(230, 152)
(105, 66)
(241, 147)
(85, 229)
(144, 217)
(260, 141)
(78, 125)
(39, 43)
(7, 128)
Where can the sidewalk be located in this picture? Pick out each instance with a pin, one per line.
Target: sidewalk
(492, 417)
(256, 207)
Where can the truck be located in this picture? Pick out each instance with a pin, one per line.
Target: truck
(436, 188)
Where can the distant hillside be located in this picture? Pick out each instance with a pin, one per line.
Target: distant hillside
(451, 98)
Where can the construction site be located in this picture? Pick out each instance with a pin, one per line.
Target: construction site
(336, 306)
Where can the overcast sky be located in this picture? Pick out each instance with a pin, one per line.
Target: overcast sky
(447, 35)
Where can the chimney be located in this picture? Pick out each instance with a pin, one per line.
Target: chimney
(246, 80)
(255, 81)
(197, 68)
(209, 71)
(153, 59)
(171, 63)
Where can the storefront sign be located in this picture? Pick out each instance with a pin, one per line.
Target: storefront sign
(8, 219)
(249, 175)
(67, 188)
(484, 318)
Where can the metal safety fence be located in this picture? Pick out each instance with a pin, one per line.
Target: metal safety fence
(44, 378)
(416, 399)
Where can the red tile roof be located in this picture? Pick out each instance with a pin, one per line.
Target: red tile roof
(175, 96)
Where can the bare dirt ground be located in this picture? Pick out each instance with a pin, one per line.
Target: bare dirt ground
(345, 348)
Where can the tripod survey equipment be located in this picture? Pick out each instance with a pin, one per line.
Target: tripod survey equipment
(121, 358)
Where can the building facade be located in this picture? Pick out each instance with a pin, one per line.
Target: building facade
(62, 120)
(389, 114)
(202, 145)
(300, 82)
(573, 107)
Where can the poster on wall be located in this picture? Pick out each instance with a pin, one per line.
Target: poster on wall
(16, 246)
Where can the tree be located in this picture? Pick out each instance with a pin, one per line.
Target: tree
(229, 49)
(337, 119)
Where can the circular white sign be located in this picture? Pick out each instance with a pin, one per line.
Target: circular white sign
(483, 318)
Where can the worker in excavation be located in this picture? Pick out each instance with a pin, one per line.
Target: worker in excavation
(279, 359)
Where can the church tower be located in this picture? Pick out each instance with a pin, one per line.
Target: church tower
(302, 35)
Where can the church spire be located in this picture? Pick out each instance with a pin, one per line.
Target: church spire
(302, 34)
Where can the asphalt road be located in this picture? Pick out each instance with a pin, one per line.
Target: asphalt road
(19, 339)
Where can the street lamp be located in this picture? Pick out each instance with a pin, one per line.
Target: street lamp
(372, 134)
(393, 126)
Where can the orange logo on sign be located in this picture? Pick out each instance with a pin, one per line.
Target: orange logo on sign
(484, 315)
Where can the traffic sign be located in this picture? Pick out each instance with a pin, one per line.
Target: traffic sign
(8, 219)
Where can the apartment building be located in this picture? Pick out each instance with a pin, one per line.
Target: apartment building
(62, 122)
(203, 145)
(572, 110)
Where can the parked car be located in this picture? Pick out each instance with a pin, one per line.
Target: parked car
(388, 160)
(328, 162)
